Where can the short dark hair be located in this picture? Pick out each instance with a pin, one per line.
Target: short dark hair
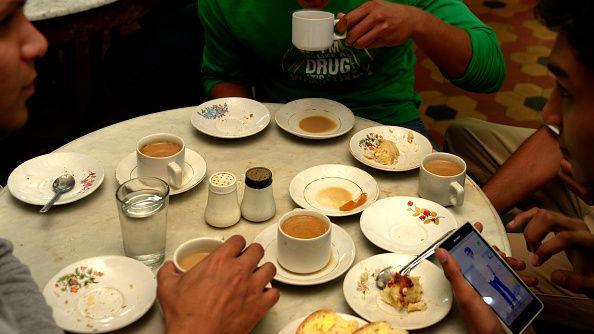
(575, 18)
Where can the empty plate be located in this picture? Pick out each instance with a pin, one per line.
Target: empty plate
(231, 117)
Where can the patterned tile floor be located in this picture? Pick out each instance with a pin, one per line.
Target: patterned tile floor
(526, 45)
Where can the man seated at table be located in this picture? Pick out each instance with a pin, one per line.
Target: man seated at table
(248, 44)
(217, 310)
(513, 163)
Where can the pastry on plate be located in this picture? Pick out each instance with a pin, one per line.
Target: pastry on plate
(380, 327)
(404, 293)
(326, 322)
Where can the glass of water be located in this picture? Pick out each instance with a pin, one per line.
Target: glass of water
(142, 206)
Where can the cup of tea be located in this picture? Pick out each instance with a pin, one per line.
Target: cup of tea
(193, 251)
(313, 30)
(441, 179)
(304, 243)
(162, 155)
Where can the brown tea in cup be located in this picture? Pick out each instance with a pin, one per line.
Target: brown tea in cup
(443, 167)
(304, 227)
(192, 259)
(160, 149)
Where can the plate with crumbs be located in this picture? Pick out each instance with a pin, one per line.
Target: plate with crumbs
(315, 118)
(31, 182)
(334, 190)
(230, 117)
(390, 148)
(343, 256)
(367, 301)
(406, 225)
(100, 294)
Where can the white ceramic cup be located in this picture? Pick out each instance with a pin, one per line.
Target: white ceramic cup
(313, 30)
(444, 190)
(169, 169)
(304, 255)
(198, 245)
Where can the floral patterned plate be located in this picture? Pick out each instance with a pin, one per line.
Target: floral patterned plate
(31, 182)
(406, 225)
(231, 117)
(412, 147)
(364, 298)
(100, 294)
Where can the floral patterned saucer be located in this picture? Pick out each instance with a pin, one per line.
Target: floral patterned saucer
(406, 225)
(100, 294)
(231, 117)
(412, 147)
(31, 182)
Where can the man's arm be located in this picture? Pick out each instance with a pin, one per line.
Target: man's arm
(21, 297)
(533, 164)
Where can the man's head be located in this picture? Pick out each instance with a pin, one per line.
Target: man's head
(571, 106)
(20, 45)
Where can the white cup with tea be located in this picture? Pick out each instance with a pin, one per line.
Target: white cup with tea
(162, 155)
(192, 252)
(304, 241)
(313, 30)
(441, 179)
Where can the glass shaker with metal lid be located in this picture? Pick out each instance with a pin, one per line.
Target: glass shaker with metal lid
(222, 209)
(258, 200)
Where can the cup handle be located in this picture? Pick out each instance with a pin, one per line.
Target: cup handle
(175, 174)
(335, 36)
(456, 194)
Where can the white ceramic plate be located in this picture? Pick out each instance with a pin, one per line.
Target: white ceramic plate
(316, 189)
(231, 117)
(406, 225)
(289, 116)
(117, 292)
(193, 173)
(364, 298)
(413, 147)
(291, 328)
(343, 255)
(31, 181)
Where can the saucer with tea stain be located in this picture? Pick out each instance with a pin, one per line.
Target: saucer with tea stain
(343, 256)
(327, 188)
(315, 118)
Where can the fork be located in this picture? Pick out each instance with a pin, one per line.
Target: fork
(383, 277)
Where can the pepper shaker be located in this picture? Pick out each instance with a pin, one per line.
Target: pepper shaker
(222, 208)
(258, 200)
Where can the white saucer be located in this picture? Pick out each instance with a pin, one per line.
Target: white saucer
(307, 188)
(31, 182)
(413, 147)
(364, 298)
(394, 225)
(231, 117)
(194, 171)
(291, 328)
(290, 114)
(123, 291)
(343, 255)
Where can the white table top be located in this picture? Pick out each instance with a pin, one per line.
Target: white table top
(90, 227)
(37, 10)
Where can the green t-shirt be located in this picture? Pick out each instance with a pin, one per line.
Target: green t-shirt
(249, 41)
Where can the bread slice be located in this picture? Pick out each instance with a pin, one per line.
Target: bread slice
(380, 327)
(326, 322)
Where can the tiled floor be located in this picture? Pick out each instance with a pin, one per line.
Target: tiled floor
(526, 45)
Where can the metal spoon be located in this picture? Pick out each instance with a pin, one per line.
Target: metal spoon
(62, 184)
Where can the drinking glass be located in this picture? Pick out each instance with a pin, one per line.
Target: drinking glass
(142, 207)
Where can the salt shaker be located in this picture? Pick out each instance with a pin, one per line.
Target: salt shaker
(222, 209)
(258, 200)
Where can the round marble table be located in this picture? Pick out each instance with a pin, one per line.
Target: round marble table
(90, 227)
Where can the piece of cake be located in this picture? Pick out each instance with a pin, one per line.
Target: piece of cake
(326, 322)
(404, 292)
(381, 327)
